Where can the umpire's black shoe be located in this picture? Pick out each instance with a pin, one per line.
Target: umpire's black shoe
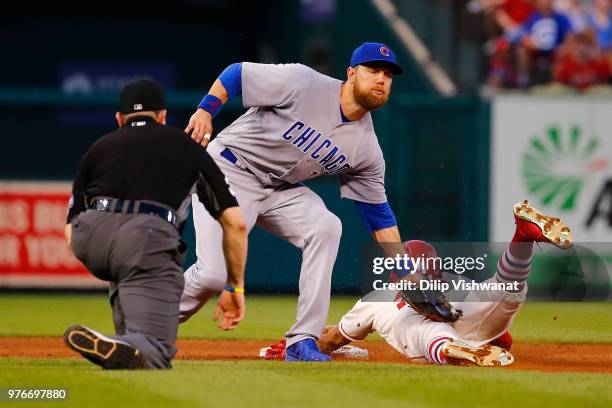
(109, 353)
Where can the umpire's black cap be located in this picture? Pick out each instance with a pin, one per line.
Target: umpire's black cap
(142, 94)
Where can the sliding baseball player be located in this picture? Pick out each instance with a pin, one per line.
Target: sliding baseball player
(480, 337)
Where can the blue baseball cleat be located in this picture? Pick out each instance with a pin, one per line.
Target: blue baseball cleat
(305, 350)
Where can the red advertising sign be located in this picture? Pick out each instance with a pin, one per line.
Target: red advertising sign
(33, 252)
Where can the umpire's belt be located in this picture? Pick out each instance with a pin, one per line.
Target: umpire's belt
(231, 157)
(117, 205)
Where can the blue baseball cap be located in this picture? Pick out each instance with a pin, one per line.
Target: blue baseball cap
(375, 52)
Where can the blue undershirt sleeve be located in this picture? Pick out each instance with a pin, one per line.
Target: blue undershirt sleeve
(376, 216)
(231, 78)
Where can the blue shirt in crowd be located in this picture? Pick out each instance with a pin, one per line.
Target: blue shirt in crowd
(548, 31)
(604, 33)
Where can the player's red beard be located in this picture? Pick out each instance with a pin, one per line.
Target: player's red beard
(367, 99)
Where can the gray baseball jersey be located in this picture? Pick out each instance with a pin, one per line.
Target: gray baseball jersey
(293, 132)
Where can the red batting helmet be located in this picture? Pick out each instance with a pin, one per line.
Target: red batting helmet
(424, 250)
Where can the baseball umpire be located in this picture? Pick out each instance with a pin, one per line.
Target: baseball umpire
(129, 200)
(300, 125)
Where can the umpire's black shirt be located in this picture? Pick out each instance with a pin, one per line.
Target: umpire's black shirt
(144, 160)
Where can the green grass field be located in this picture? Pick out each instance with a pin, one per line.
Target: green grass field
(263, 383)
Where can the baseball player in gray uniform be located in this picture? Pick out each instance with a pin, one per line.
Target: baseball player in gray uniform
(300, 125)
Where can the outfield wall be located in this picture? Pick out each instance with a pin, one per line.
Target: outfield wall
(33, 252)
(557, 153)
(56, 101)
(441, 183)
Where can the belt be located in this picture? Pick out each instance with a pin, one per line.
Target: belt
(116, 205)
(231, 157)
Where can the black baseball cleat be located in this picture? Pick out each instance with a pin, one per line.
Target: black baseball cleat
(108, 353)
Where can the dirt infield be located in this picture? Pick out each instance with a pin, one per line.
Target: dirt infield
(528, 356)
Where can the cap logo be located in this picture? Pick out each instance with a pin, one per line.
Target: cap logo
(384, 51)
(137, 106)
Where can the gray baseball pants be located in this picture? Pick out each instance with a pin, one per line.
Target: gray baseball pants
(291, 212)
(142, 257)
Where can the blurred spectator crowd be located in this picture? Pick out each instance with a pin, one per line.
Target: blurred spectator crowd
(566, 43)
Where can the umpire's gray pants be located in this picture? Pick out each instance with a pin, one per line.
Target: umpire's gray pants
(142, 256)
(291, 212)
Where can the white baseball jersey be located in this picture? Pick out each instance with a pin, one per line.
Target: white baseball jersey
(410, 333)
